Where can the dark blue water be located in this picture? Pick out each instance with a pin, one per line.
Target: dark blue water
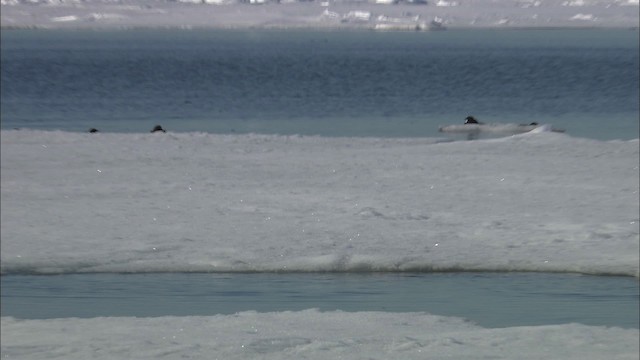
(491, 300)
(351, 83)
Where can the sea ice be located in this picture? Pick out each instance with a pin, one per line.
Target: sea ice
(313, 14)
(202, 202)
(307, 334)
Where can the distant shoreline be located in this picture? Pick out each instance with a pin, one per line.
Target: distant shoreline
(307, 28)
(310, 28)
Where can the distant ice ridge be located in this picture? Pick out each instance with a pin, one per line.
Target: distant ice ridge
(441, 3)
(319, 14)
(75, 203)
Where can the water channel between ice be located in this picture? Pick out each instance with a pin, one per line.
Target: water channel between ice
(488, 299)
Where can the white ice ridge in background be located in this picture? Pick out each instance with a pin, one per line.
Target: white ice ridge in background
(412, 14)
(76, 203)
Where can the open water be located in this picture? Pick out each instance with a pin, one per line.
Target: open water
(353, 83)
(487, 299)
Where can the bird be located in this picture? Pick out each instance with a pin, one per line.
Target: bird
(158, 128)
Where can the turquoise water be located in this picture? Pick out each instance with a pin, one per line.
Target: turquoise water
(488, 299)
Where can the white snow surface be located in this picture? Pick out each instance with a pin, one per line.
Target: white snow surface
(308, 334)
(317, 14)
(196, 202)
